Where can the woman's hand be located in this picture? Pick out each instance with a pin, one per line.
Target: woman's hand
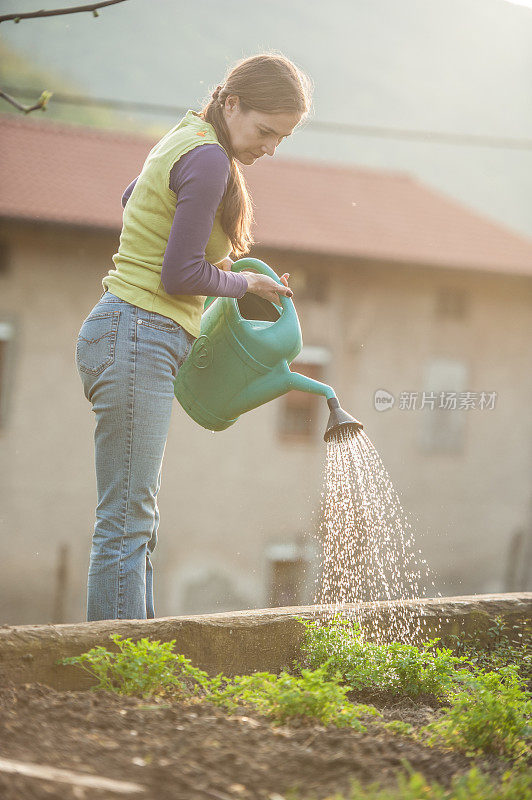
(260, 284)
(266, 287)
(224, 264)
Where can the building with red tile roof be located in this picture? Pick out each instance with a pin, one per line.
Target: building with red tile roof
(402, 294)
(58, 173)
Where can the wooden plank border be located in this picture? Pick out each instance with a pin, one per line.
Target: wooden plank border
(44, 772)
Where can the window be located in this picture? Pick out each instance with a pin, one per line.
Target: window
(452, 303)
(443, 421)
(4, 257)
(309, 284)
(287, 575)
(299, 411)
(6, 353)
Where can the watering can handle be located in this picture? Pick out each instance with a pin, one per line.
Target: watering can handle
(260, 266)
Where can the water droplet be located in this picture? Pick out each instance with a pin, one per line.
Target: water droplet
(367, 543)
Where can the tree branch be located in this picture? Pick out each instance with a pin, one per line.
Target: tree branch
(41, 102)
(55, 12)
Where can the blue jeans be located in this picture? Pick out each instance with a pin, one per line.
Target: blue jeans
(127, 359)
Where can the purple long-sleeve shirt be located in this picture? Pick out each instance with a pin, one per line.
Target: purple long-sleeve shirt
(198, 179)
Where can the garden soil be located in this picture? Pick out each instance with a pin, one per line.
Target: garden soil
(195, 751)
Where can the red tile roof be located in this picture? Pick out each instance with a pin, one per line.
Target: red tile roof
(70, 174)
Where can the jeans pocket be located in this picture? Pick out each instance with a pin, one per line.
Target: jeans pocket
(162, 323)
(95, 347)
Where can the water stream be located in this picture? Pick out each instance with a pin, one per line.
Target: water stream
(368, 552)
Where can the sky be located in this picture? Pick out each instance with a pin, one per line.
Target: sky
(438, 66)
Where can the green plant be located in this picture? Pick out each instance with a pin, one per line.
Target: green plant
(149, 667)
(496, 648)
(474, 785)
(490, 711)
(400, 669)
(313, 694)
(398, 726)
(490, 714)
(144, 667)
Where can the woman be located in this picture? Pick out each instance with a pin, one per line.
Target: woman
(184, 214)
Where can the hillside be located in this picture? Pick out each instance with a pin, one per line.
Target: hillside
(458, 66)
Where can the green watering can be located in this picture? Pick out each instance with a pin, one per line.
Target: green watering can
(240, 360)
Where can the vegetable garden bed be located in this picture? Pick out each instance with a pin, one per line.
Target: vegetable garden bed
(347, 710)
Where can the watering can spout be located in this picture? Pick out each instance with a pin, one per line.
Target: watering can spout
(340, 420)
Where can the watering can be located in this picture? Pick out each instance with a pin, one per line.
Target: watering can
(241, 360)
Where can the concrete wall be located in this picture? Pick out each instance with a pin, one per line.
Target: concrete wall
(227, 498)
(241, 642)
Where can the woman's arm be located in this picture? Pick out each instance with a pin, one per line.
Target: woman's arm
(127, 192)
(198, 179)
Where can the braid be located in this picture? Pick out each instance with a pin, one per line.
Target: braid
(237, 212)
(268, 83)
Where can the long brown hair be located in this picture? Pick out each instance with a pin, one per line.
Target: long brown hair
(267, 82)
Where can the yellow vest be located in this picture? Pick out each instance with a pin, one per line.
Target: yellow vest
(147, 221)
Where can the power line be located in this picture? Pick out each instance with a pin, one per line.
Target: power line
(474, 140)
(431, 136)
(83, 100)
